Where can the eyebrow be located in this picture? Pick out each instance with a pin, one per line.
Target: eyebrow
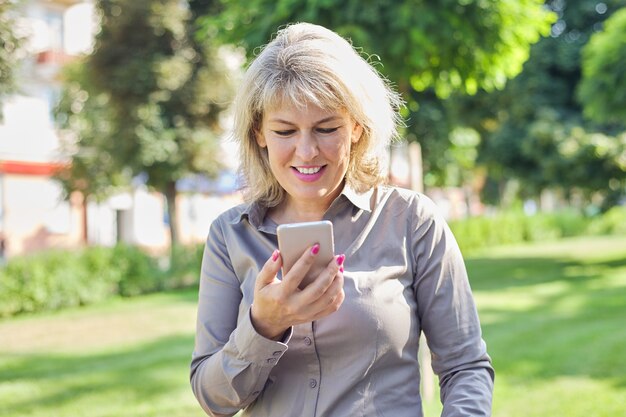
(324, 120)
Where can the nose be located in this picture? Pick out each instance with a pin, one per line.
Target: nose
(307, 147)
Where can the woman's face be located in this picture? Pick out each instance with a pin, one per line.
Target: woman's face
(309, 150)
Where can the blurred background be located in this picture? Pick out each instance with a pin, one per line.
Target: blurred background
(115, 157)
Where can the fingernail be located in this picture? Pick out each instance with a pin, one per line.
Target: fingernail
(340, 259)
(341, 269)
(315, 249)
(275, 255)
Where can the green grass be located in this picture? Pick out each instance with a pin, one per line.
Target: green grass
(554, 318)
(123, 358)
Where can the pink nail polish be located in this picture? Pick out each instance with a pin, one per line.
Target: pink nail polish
(341, 269)
(340, 259)
(275, 255)
(315, 249)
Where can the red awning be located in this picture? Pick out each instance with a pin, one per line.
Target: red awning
(31, 168)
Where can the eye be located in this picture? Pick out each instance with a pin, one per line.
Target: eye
(327, 130)
(284, 132)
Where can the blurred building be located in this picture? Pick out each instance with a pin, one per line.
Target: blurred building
(34, 214)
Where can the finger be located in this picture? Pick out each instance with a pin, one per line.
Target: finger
(333, 304)
(298, 271)
(328, 297)
(320, 285)
(325, 305)
(267, 275)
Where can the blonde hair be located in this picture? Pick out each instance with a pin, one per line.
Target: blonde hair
(303, 64)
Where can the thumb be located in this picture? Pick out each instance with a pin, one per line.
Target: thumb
(267, 275)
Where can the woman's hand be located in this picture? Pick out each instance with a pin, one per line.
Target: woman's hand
(278, 305)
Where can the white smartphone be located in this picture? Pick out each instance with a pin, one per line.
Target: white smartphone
(295, 238)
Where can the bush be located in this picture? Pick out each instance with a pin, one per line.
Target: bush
(44, 282)
(139, 273)
(184, 269)
(57, 279)
(506, 228)
(611, 222)
(516, 227)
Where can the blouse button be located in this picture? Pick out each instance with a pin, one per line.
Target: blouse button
(312, 383)
(307, 341)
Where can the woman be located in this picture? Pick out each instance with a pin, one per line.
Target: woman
(312, 118)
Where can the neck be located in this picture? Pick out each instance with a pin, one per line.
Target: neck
(290, 211)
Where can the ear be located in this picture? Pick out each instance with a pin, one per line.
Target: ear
(357, 132)
(260, 139)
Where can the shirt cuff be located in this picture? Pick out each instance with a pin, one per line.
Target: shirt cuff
(257, 349)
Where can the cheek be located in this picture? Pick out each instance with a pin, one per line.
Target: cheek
(344, 151)
(336, 150)
(277, 154)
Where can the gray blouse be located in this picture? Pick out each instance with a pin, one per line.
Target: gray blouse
(404, 274)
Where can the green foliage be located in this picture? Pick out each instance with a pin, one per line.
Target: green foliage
(51, 281)
(602, 90)
(516, 227)
(534, 131)
(184, 266)
(138, 272)
(427, 49)
(448, 45)
(430, 123)
(59, 279)
(85, 115)
(9, 48)
(166, 88)
(611, 222)
(147, 101)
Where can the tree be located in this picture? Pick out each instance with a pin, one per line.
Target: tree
(85, 116)
(428, 49)
(147, 99)
(9, 49)
(602, 90)
(533, 130)
(449, 45)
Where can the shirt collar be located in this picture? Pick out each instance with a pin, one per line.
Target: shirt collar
(255, 212)
(361, 200)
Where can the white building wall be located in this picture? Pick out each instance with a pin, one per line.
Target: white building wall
(101, 224)
(33, 215)
(196, 212)
(148, 226)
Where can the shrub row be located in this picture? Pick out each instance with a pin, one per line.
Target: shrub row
(516, 227)
(57, 279)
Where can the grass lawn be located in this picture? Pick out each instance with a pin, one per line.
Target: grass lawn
(553, 317)
(122, 358)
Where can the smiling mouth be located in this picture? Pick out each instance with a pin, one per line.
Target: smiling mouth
(308, 171)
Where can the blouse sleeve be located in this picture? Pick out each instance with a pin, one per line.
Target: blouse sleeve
(449, 318)
(231, 361)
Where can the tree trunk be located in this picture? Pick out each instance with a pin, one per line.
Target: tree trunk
(170, 197)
